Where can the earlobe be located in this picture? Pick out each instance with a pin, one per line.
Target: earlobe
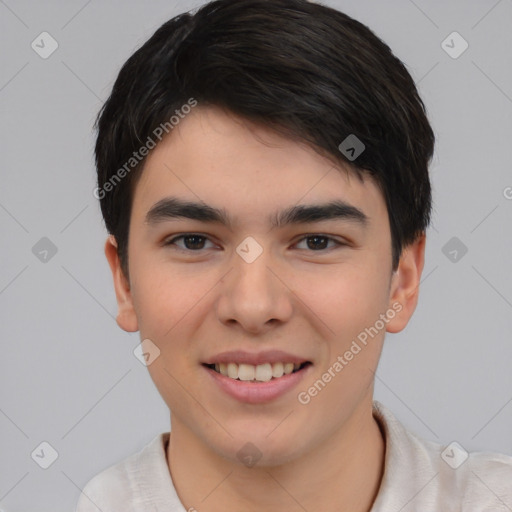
(405, 284)
(126, 317)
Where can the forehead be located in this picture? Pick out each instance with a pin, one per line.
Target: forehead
(229, 163)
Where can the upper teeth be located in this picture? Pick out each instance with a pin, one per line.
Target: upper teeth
(262, 372)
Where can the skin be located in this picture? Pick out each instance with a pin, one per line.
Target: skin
(313, 302)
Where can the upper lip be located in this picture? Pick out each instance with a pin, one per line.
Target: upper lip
(268, 356)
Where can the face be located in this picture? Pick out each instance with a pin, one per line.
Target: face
(253, 286)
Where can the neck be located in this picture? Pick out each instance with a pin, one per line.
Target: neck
(342, 473)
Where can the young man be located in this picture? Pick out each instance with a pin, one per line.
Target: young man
(263, 175)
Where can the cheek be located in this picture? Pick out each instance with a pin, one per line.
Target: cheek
(160, 301)
(167, 308)
(171, 305)
(345, 300)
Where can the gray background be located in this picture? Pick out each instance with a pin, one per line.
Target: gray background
(68, 375)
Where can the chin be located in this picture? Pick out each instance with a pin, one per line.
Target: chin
(258, 448)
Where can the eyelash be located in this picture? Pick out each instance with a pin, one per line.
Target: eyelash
(312, 235)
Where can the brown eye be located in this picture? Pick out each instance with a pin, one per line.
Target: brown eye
(191, 242)
(317, 242)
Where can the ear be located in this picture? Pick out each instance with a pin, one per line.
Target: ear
(405, 283)
(126, 317)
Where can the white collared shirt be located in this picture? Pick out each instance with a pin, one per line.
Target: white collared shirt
(419, 476)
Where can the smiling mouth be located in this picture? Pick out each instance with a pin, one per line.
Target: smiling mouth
(259, 373)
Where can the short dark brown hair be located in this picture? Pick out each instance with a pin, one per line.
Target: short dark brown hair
(306, 70)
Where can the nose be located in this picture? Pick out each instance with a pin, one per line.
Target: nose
(254, 295)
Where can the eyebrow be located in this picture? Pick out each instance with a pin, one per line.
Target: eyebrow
(173, 208)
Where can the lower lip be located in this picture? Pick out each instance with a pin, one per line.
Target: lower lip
(258, 392)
